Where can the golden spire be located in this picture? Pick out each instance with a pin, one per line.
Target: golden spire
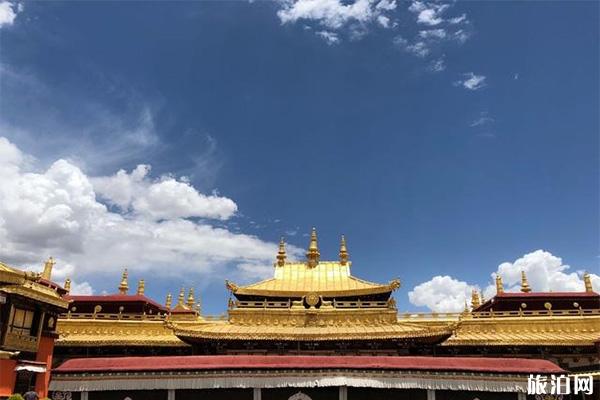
(343, 252)
(525, 288)
(141, 287)
(499, 285)
(313, 250)
(587, 280)
(190, 298)
(47, 274)
(181, 297)
(124, 286)
(281, 256)
(68, 285)
(169, 300)
(481, 296)
(475, 301)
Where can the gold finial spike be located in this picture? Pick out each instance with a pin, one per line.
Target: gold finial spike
(466, 309)
(190, 298)
(124, 286)
(181, 297)
(499, 285)
(525, 288)
(281, 256)
(169, 300)
(587, 280)
(47, 274)
(481, 296)
(343, 252)
(475, 301)
(313, 254)
(68, 285)
(141, 287)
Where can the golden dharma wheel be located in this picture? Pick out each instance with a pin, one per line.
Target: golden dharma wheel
(312, 299)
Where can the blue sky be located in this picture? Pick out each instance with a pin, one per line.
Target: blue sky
(443, 139)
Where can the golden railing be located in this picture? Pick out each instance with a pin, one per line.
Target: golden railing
(18, 341)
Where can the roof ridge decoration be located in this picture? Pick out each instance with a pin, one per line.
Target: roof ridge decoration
(525, 288)
(47, 274)
(281, 255)
(343, 252)
(499, 285)
(313, 255)
(124, 286)
(587, 280)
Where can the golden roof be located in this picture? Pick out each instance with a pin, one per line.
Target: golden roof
(25, 283)
(97, 332)
(327, 278)
(527, 331)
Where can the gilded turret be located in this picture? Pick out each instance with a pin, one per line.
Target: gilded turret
(190, 299)
(475, 301)
(499, 285)
(181, 298)
(169, 300)
(47, 274)
(141, 287)
(281, 256)
(124, 286)
(343, 252)
(525, 288)
(313, 254)
(68, 285)
(587, 280)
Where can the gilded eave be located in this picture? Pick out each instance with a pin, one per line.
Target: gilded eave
(24, 283)
(97, 332)
(527, 331)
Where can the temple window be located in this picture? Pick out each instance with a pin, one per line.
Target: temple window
(21, 321)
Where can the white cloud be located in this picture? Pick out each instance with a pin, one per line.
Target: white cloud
(458, 20)
(165, 198)
(83, 288)
(418, 48)
(56, 211)
(437, 65)
(335, 14)
(442, 294)
(433, 34)
(545, 272)
(329, 37)
(8, 12)
(428, 13)
(472, 81)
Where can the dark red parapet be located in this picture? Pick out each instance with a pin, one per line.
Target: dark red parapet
(243, 362)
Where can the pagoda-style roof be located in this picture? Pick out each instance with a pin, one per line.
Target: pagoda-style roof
(327, 278)
(30, 285)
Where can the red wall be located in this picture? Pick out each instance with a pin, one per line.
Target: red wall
(7, 377)
(44, 355)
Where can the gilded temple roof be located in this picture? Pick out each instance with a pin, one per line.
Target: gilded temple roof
(327, 278)
(28, 284)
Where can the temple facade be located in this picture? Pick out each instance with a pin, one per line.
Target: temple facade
(314, 331)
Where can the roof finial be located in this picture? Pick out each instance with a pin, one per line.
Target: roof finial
(475, 301)
(313, 250)
(190, 298)
(499, 285)
(68, 285)
(181, 297)
(525, 288)
(281, 256)
(343, 252)
(169, 300)
(141, 287)
(124, 286)
(47, 274)
(587, 280)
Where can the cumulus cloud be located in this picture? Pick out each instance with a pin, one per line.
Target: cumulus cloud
(164, 198)
(437, 65)
(471, 81)
(8, 12)
(442, 294)
(428, 13)
(419, 48)
(58, 211)
(336, 14)
(545, 272)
